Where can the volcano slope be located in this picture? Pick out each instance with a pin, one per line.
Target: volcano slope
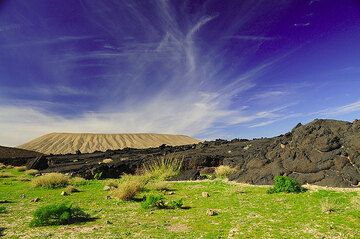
(323, 152)
(63, 143)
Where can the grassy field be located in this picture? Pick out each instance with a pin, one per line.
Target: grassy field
(243, 212)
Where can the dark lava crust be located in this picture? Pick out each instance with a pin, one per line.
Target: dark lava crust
(323, 152)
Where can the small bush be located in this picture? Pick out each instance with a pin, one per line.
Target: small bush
(224, 171)
(20, 168)
(176, 203)
(130, 187)
(58, 214)
(31, 172)
(51, 180)
(163, 168)
(286, 184)
(2, 209)
(158, 201)
(153, 201)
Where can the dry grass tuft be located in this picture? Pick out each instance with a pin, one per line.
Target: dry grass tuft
(20, 168)
(163, 168)
(161, 186)
(224, 171)
(31, 172)
(78, 181)
(5, 175)
(130, 187)
(2, 166)
(51, 180)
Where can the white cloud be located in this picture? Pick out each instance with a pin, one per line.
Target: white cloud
(194, 91)
(340, 110)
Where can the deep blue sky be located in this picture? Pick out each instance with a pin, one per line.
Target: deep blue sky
(210, 69)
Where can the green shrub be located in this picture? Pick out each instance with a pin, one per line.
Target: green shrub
(153, 201)
(176, 203)
(285, 184)
(158, 201)
(2, 209)
(58, 214)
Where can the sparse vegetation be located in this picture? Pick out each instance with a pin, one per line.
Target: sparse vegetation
(20, 168)
(160, 186)
(162, 168)
(71, 189)
(112, 183)
(2, 166)
(257, 211)
(224, 171)
(328, 207)
(78, 181)
(130, 186)
(285, 184)
(159, 170)
(98, 176)
(31, 172)
(153, 201)
(51, 180)
(158, 201)
(58, 214)
(5, 175)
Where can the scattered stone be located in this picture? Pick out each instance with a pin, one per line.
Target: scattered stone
(22, 196)
(211, 212)
(107, 188)
(108, 222)
(63, 193)
(108, 197)
(35, 199)
(205, 194)
(171, 193)
(282, 146)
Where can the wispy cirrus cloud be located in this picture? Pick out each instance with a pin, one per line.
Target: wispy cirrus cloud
(341, 110)
(152, 71)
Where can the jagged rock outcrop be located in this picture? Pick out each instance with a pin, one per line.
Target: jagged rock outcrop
(323, 152)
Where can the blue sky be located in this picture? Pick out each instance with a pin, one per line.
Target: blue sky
(209, 69)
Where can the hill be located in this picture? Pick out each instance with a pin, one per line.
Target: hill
(63, 143)
(8, 152)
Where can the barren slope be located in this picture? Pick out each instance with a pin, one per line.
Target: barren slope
(62, 143)
(7, 152)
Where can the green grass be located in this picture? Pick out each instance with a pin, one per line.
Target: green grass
(244, 212)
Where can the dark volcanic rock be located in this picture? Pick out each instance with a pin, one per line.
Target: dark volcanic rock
(38, 163)
(323, 152)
